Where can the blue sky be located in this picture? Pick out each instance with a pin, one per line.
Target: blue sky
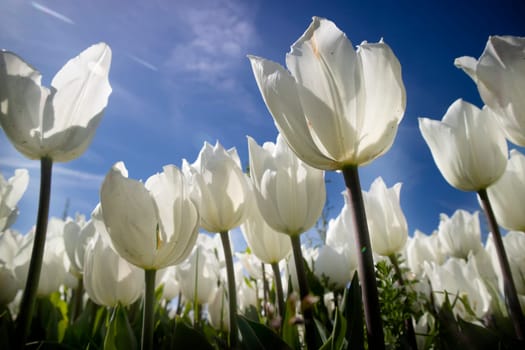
(180, 77)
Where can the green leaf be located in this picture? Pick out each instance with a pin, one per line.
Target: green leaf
(6, 328)
(353, 313)
(62, 314)
(258, 336)
(289, 329)
(186, 337)
(336, 341)
(119, 334)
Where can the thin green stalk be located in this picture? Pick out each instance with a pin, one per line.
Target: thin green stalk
(148, 312)
(279, 289)
(196, 312)
(366, 271)
(303, 292)
(27, 305)
(232, 292)
(265, 290)
(511, 295)
(78, 295)
(409, 327)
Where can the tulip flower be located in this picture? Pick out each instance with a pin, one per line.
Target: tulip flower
(225, 196)
(218, 311)
(151, 225)
(55, 263)
(468, 146)
(459, 278)
(77, 234)
(8, 250)
(198, 275)
(11, 191)
(337, 259)
(470, 150)
(500, 77)
(386, 221)
(76, 238)
(165, 278)
(268, 245)
(338, 108)
(290, 195)
(109, 279)
(460, 234)
(53, 124)
(58, 122)
(420, 248)
(507, 193)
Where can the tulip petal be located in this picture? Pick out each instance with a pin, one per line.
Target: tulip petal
(384, 99)
(80, 97)
(468, 146)
(279, 91)
(22, 102)
(130, 218)
(501, 83)
(325, 66)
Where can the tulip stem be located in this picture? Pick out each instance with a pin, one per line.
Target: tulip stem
(265, 290)
(511, 295)
(78, 299)
(279, 289)
(148, 312)
(27, 305)
(306, 308)
(232, 293)
(366, 271)
(409, 327)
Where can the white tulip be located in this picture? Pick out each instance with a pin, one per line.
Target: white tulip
(290, 194)
(338, 106)
(152, 225)
(57, 123)
(109, 279)
(500, 76)
(468, 146)
(386, 221)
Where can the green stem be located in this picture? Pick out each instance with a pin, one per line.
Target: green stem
(232, 293)
(27, 305)
(279, 289)
(366, 271)
(409, 326)
(265, 291)
(511, 296)
(148, 313)
(306, 309)
(78, 299)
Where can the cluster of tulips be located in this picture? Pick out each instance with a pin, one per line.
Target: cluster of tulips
(141, 267)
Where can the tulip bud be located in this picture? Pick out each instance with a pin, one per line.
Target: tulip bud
(386, 221)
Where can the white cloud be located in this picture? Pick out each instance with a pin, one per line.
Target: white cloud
(52, 13)
(216, 38)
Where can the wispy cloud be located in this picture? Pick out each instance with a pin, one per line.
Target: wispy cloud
(143, 62)
(217, 38)
(52, 13)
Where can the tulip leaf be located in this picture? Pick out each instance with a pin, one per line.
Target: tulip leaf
(336, 341)
(353, 313)
(119, 334)
(6, 329)
(257, 336)
(186, 337)
(289, 327)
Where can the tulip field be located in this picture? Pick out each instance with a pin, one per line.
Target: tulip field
(152, 266)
